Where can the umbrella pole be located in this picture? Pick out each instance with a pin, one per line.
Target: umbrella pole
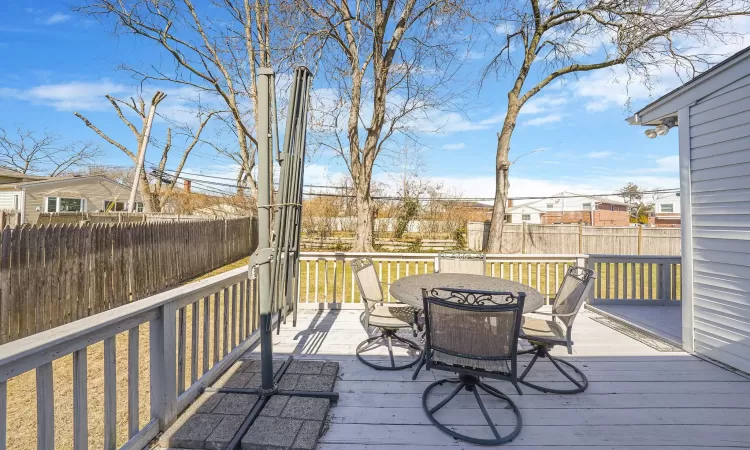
(275, 262)
(265, 169)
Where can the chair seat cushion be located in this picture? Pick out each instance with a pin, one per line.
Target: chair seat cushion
(544, 331)
(392, 316)
(488, 365)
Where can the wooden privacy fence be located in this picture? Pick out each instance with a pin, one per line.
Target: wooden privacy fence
(538, 239)
(53, 275)
(60, 218)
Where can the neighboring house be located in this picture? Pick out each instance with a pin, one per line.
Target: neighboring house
(63, 194)
(666, 212)
(712, 113)
(567, 207)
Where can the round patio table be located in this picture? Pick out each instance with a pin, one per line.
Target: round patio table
(408, 290)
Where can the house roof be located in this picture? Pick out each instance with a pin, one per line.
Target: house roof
(522, 206)
(4, 172)
(54, 180)
(666, 105)
(565, 194)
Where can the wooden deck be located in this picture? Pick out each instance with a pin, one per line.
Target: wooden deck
(638, 397)
(663, 321)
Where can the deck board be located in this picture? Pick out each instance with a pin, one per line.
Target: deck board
(638, 397)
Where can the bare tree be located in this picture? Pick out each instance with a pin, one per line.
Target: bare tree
(386, 65)
(29, 153)
(152, 197)
(214, 51)
(544, 41)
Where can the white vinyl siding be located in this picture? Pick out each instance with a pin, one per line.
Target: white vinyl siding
(720, 209)
(10, 200)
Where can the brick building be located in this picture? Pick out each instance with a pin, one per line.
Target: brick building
(567, 207)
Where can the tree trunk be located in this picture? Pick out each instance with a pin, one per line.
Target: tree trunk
(364, 207)
(502, 184)
(146, 196)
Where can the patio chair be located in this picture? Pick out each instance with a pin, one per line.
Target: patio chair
(543, 335)
(387, 318)
(461, 262)
(475, 335)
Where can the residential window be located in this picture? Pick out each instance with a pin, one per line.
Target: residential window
(525, 216)
(667, 207)
(112, 206)
(586, 205)
(62, 204)
(550, 205)
(138, 206)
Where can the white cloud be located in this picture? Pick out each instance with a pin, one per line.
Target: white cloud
(596, 155)
(551, 118)
(668, 164)
(69, 96)
(459, 146)
(613, 88)
(543, 104)
(56, 18)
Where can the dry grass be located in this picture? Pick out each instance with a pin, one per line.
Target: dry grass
(22, 421)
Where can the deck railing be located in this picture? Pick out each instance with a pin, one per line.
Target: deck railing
(175, 343)
(326, 277)
(157, 354)
(623, 280)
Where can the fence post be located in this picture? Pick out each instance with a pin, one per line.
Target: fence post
(436, 265)
(163, 366)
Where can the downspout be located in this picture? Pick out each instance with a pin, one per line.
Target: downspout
(22, 204)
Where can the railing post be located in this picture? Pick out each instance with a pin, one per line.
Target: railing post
(163, 366)
(664, 282)
(589, 264)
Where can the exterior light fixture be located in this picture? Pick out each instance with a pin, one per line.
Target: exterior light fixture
(661, 129)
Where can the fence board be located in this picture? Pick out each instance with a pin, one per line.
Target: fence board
(566, 239)
(52, 275)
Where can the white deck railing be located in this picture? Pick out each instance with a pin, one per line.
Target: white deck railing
(193, 334)
(326, 278)
(623, 279)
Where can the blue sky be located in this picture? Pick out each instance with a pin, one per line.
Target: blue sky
(54, 62)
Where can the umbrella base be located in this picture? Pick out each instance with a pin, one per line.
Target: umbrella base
(264, 395)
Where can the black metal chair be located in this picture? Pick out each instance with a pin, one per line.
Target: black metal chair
(543, 335)
(388, 318)
(459, 261)
(475, 335)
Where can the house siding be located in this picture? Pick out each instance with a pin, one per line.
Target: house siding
(7, 200)
(93, 190)
(719, 142)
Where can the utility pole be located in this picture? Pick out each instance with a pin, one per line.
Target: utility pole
(158, 97)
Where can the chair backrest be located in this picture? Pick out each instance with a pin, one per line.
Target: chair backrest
(473, 325)
(364, 272)
(461, 262)
(572, 293)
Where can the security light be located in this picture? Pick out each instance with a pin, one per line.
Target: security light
(662, 129)
(651, 133)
